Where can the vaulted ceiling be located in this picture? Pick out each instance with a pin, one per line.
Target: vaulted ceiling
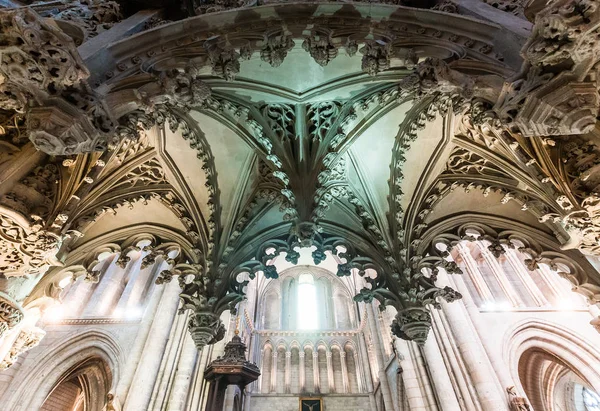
(357, 129)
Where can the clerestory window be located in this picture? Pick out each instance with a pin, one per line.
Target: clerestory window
(307, 309)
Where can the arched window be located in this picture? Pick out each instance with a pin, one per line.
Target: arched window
(591, 400)
(307, 310)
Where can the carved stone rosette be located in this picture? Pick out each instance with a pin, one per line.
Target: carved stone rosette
(10, 314)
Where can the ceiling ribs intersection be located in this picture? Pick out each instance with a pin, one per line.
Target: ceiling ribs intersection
(69, 111)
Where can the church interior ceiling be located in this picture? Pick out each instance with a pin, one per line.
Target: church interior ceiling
(239, 131)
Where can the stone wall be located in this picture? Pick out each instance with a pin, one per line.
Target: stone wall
(359, 402)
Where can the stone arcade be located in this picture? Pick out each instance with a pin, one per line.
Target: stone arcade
(394, 204)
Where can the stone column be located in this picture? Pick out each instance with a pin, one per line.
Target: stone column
(330, 372)
(274, 371)
(316, 371)
(525, 277)
(344, 371)
(78, 296)
(138, 283)
(262, 363)
(366, 370)
(467, 397)
(409, 376)
(106, 289)
(183, 375)
(484, 291)
(359, 380)
(301, 378)
(481, 372)
(150, 360)
(383, 380)
(138, 344)
(288, 369)
(553, 280)
(439, 375)
(509, 292)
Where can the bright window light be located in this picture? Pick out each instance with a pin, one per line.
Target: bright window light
(591, 400)
(307, 303)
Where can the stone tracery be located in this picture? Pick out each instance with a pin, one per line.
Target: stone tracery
(531, 140)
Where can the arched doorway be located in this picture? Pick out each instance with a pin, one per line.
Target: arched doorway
(84, 387)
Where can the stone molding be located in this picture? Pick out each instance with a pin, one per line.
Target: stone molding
(11, 314)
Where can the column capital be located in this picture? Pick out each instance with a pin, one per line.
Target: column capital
(328, 354)
(342, 354)
(315, 354)
(301, 354)
(288, 354)
(275, 354)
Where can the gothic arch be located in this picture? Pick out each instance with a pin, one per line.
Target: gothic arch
(61, 358)
(567, 348)
(84, 259)
(433, 246)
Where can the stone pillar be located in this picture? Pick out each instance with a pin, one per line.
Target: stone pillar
(484, 291)
(138, 344)
(344, 371)
(78, 296)
(439, 375)
(509, 292)
(150, 360)
(525, 277)
(316, 371)
(108, 286)
(301, 378)
(365, 368)
(274, 371)
(330, 379)
(552, 279)
(454, 362)
(288, 371)
(262, 364)
(412, 385)
(183, 375)
(501, 371)
(138, 283)
(483, 375)
(359, 379)
(383, 380)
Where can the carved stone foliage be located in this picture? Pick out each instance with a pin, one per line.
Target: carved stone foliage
(10, 314)
(320, 47)
(34, 195)
(91, 16)
(515, 7)
(276, 47)
(42, 73)
(196, 7)
(25, 250)
(434, 253)
(376, 57)
(26, 340)
(557, 93)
